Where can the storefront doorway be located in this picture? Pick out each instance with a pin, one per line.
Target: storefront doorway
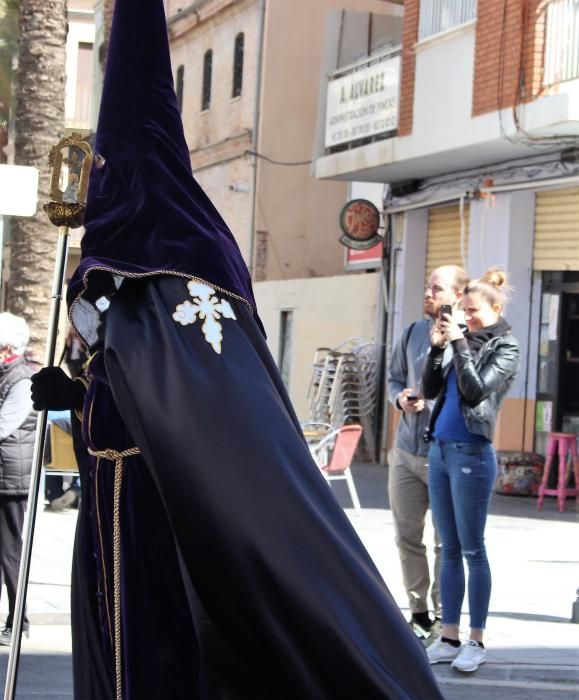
(557, 407)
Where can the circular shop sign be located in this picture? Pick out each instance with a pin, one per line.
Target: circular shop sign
(359, 221)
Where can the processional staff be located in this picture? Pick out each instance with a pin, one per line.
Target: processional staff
(65, 210)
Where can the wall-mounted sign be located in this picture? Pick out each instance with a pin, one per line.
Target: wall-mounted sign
(18, 190)
(370, 259)
(360, 221)
(363, 103)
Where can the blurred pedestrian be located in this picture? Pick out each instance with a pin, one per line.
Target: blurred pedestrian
(463, 466)
(408, 474)
(17, 432)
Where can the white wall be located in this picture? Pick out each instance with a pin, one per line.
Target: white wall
(442, 94)
(326, 311)
(372, 191)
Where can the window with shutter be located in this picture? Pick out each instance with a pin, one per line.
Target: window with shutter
(207, 70)
(84, 71)
(238, 65)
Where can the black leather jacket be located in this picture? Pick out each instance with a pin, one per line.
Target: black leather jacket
(483, 377)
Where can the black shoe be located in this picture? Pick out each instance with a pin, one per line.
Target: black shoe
(6, 635)
(424, 627)
(421, 631)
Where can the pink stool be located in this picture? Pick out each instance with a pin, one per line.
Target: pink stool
(565, 442)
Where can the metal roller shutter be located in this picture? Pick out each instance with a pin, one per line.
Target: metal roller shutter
(556, 244)
(444, 237)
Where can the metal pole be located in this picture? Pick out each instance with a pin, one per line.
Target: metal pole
(255, 138)
(29, 522)
(392, 288)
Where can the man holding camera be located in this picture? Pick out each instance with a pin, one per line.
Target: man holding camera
(408, 476)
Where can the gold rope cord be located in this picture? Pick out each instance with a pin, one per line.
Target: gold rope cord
(117, 457)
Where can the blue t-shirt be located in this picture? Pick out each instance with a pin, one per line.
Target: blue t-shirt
(450, 425)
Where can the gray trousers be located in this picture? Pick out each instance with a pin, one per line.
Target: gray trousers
(12, 510)
(408, 493)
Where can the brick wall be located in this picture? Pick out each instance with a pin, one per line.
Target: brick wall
(508, 53)
(409, 38)
(534, 46)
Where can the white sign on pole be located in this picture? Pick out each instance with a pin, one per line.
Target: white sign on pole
(18, 190)
(363, 103)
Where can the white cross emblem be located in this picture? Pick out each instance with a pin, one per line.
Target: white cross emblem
(209, 308)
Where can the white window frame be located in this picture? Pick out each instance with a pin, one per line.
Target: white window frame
(561, 42)
(439, 16)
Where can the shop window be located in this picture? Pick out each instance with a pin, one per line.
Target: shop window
(238, 65)
(207, 70)
(179, 83)
(439, 17)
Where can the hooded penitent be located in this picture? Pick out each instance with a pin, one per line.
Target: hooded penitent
(145, 212)
(212, 560)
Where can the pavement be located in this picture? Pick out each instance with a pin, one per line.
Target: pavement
(533, 648)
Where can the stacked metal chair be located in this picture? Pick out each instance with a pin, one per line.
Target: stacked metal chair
(343, 387)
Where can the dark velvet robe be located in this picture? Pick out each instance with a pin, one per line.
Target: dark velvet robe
(241, 576)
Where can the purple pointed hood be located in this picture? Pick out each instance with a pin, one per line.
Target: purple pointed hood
(146, 214)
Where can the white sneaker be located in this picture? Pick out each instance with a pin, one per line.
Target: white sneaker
(440, 652)
(470, 658)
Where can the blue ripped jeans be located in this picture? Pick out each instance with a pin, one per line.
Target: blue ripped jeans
(460, 481)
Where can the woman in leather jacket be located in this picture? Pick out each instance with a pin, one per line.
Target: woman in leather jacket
(468, 375)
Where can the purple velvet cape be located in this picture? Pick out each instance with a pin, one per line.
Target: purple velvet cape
(242, 578)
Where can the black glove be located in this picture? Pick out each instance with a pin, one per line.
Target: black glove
(54, 390)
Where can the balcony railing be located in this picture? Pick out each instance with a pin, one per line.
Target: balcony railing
(561, 42)
(437, 16)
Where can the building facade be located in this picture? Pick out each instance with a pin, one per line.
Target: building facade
(247, 75)
(81, 102)
(480, 160)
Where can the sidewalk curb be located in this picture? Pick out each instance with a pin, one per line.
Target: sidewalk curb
(536, 676)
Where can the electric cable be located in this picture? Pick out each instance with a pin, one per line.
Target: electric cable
(277, 162)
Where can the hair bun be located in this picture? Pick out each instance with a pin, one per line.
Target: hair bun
(495, 276)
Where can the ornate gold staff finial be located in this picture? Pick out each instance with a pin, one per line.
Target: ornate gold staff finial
(67, 206)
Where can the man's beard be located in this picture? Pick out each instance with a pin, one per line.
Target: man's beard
(429, 309)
